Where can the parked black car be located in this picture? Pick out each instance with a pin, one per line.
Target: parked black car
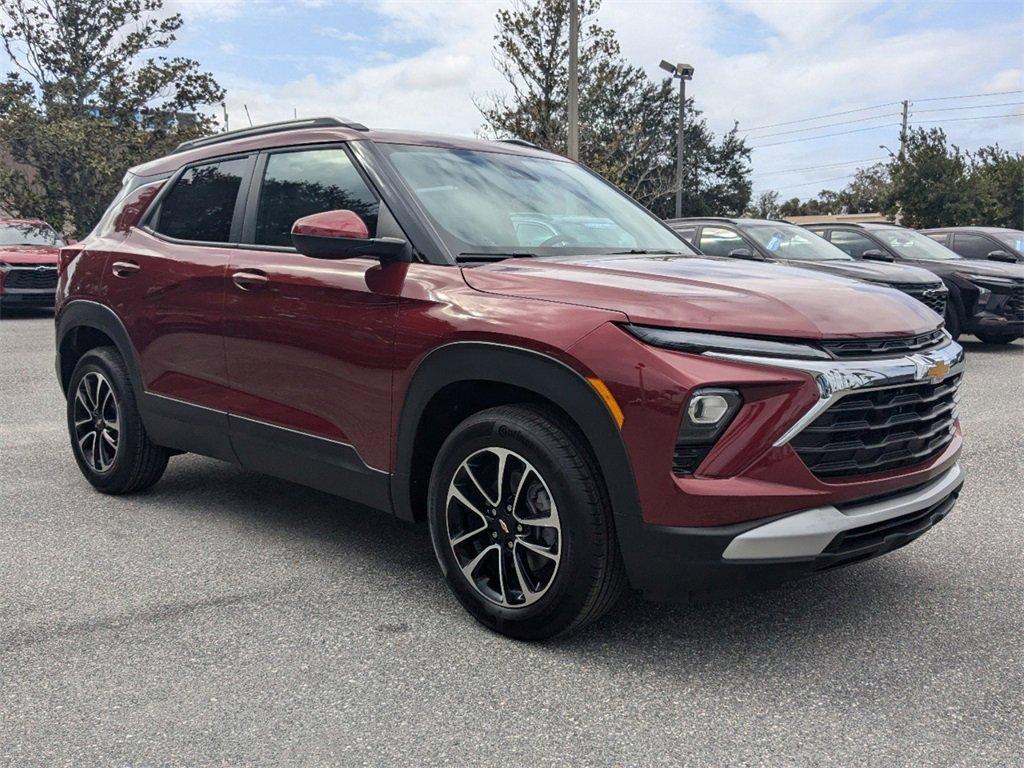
(785, 243)
(986, 298)
(992, 243)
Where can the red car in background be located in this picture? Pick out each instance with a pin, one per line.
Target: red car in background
(28, 262)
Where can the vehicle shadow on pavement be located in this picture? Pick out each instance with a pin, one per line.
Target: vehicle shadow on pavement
(973, 346)
(397, 558)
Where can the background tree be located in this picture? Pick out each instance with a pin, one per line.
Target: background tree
(84, 102)
(931, 186)
(628, 122)
(765, 206)
(998, 180)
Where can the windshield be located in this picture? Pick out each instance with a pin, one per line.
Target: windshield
(788, 241)
(491, 203)
(29, 233)
(1013, 238)
(913, 245)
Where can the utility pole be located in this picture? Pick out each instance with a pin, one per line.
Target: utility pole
(684, 72)
(903, 131)
(574, 81)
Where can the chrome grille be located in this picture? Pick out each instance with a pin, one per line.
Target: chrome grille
(875, 430)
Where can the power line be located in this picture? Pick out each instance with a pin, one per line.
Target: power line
(827, 135)
(962, 119)
(820, 117)
(780, 171)
(973, 106)
(880, 106)
(806, 184)
(969, 96)
(816, 127)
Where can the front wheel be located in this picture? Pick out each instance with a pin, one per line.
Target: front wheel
(997, 338)
(521, 524)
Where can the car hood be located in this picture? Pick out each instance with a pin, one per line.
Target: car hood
(988, 268)
(873, 272)
(712, 294)
(28, 254)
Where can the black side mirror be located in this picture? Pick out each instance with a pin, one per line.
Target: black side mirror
(876, 255)
(1001, 255)
(745, 253)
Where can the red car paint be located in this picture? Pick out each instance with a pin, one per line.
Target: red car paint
(330, 348)
(25, 256)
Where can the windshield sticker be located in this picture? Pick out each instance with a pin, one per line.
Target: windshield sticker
(774, 243)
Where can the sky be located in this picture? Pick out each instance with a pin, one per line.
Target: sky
(424, 64)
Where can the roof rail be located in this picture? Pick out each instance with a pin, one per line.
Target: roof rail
(520, 142)
(260, 130)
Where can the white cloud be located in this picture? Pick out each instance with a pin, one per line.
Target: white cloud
(810, 59)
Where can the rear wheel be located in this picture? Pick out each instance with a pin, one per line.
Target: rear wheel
(997, 338)
(521, 524)
(107, 437)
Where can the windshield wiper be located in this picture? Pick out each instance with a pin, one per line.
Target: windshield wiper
(470, 256)
(646, 252)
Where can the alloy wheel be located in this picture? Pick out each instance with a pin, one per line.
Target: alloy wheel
(97, 423)
(503, 527)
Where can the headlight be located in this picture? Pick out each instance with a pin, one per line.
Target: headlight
(691, 341)
(1005, 282)
(707, 414)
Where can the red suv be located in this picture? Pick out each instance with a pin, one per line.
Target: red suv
(28, 262)
(491, 338)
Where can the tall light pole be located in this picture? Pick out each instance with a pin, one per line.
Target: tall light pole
(684, 72)
(574, 81)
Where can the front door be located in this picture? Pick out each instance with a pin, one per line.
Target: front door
(310, 342)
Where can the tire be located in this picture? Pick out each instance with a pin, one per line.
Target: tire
(119, 457)
(952, 319)
(556, 546)
(997, 339)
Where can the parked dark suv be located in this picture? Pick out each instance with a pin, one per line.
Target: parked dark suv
(358, 311)
(993, 243)
(783, 243)
(986, 298)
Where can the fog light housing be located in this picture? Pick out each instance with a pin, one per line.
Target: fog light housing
(707, 414)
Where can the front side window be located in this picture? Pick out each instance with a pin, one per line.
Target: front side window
(297, 184)
(913, 245)
(972, 246)
(496, 203)
(788, 241)
(851, 243)
(29, 233)
(719, 241)
(201, 205)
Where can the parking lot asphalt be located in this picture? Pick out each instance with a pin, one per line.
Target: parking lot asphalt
(226, 618)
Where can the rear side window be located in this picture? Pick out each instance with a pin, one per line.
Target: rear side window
(972, 246)
(852, 243)
(719, 241)
(938, 237)
(201, 205)
(687, 233)
(297, 184)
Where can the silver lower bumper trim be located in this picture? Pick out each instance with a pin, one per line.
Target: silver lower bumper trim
(807, 533)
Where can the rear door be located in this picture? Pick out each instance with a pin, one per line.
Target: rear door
(166, 283)
(309, 342)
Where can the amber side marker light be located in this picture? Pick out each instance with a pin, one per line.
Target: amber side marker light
(609, 400)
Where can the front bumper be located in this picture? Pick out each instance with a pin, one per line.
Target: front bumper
(682, 563)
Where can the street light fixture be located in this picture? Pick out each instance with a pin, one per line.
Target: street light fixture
(684, 72)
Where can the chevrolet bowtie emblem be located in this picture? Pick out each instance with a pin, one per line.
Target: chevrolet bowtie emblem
(938, 371)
